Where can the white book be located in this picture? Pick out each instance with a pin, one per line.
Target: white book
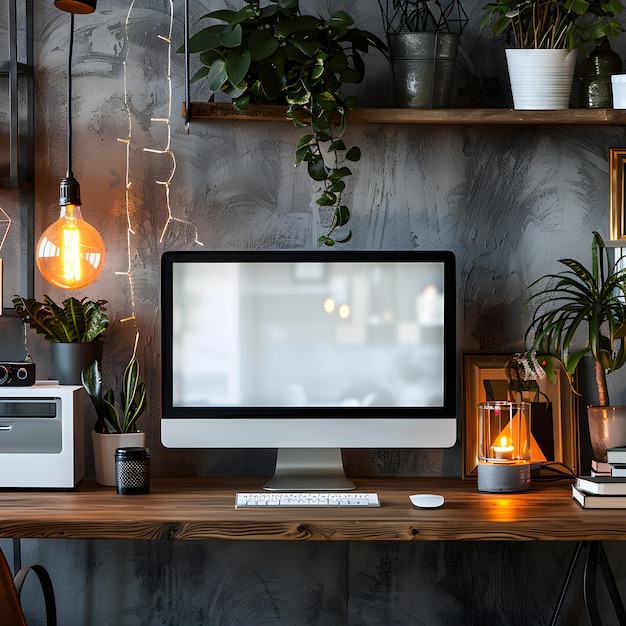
(593, 501)
(616, 455)
(602, 485)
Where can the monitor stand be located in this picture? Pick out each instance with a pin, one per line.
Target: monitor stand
(309, 469)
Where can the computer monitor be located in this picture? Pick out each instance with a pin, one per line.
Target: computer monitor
(308, 352)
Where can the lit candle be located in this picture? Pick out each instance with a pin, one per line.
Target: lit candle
(503, 451)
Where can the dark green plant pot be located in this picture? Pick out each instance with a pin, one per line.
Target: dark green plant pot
(70, 359)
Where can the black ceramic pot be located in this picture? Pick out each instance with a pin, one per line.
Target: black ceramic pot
(70, 359)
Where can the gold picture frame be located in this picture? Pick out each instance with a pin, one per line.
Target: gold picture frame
(484, 379)
(617, 215)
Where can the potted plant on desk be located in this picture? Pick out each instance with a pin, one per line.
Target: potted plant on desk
(114, 429)
(74, 328)
(545, 35)
(276, 55)
(581, 304)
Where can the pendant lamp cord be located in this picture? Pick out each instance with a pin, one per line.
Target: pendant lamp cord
(69, 98)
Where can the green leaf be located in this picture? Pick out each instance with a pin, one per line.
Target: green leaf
(326, 199)
(237, 65)
(305, 140)
(225, 15)
(308, 47)
(304, 153)
(272, 81)
(317, 169)
(337, 187)
(205, 39)
(342, 215)
(340, 172)
(244, 14)
(337, 145)
(231, 36)
(262, 44)
(203, 72)
(340, 19)
(217, 75)
(326, 100)
(346, 238)
(242, 102)
(354, 154)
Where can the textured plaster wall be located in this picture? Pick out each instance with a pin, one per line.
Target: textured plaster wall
(509, 201)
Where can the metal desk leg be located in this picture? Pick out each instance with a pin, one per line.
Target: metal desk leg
(595, 556)
(17, 556)
(566, 582)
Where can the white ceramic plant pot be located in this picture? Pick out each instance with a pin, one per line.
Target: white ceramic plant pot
(541, 79)
(104, 447)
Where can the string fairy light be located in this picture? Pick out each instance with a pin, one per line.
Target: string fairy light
(127, 141)
(5, 222)
(130, 231)
(171, 219)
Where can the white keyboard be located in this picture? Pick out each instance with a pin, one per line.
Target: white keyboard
(264, 499)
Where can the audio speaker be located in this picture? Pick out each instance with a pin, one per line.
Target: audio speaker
(17, 374)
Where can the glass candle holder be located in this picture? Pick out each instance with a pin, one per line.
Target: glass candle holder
(503, 446)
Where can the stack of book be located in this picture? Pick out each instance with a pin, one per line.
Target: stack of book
(615, 464)
(600, 492)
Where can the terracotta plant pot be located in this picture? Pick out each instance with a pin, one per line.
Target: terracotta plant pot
(104, 447)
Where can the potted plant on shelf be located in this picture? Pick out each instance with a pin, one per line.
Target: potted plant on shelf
(423, 38)
(545, 34)
(74, 328)
(275, 54)
(114, 429)
(587, 306)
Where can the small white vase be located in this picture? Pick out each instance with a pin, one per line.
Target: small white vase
(541, 79)
(104, 447)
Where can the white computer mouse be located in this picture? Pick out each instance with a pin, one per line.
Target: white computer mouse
(426, 500)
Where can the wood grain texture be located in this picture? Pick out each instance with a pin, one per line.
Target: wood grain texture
(198, 509)
(366, 115)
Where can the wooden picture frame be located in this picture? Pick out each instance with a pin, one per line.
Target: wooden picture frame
(617, 215)
(483, 376)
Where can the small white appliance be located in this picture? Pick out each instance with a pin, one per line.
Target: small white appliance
(41, 436)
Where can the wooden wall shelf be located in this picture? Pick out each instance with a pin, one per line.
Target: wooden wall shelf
(276, 113)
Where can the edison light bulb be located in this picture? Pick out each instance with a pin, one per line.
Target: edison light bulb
(70, 253)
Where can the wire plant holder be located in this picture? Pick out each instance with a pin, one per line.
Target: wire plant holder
(423, 16)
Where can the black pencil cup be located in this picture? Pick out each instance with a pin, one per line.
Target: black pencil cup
(132, 471)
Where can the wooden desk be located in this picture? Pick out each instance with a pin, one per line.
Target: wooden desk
(197, 508)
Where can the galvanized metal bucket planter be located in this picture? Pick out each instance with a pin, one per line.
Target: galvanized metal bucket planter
(423, 67)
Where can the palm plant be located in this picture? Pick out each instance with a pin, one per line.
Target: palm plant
(579, 303)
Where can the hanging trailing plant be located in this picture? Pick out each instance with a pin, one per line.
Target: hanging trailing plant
(274, 54)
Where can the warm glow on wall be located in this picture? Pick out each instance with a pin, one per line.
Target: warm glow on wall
(70, 253)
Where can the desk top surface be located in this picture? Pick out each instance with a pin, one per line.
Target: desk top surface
(199, 508)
